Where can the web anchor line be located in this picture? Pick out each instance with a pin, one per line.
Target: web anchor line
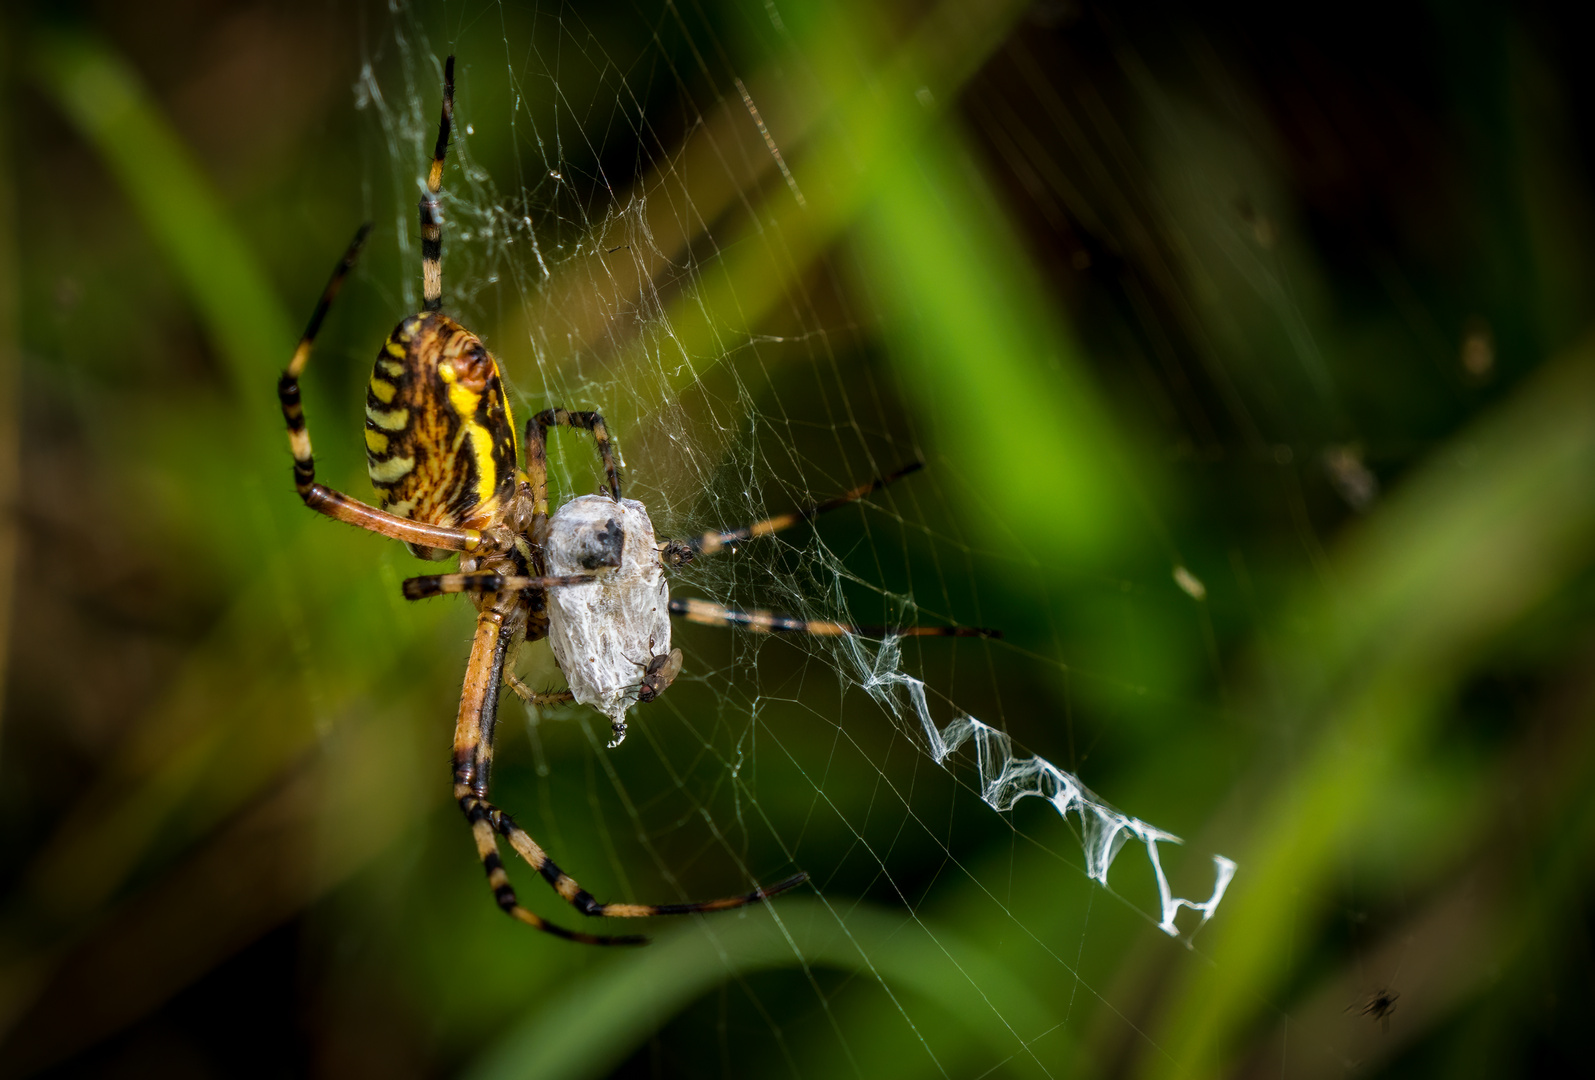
(1006, 778)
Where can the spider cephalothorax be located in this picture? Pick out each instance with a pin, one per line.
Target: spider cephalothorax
(443, 457)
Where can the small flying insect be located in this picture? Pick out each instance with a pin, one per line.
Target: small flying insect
(657, 676)
(1379, 1006)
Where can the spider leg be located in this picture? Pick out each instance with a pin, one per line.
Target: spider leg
(583, 901)
(431, 212)
(484, 582)
(307, 341)
(677, 552)
(321, 498)
(532, 697)
(768, 622)
(473, 756)
(537, 452)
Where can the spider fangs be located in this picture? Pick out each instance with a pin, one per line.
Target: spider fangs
(442, 454)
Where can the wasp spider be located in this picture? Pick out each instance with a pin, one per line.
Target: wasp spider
(443, 458)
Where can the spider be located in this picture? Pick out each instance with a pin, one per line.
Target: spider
(442, 456)
(1379, 1006)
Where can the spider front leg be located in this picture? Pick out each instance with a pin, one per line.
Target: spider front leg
(431, 212)
(537, 452)
(473, 755)
(320, 497)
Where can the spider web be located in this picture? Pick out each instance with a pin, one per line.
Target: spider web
(1247, 360)
(638, 222)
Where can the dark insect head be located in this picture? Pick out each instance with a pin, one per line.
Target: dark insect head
(676, 553)
(603, 546)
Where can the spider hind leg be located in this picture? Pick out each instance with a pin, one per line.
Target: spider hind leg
(473, 757)
(482, 815)
(582, 900)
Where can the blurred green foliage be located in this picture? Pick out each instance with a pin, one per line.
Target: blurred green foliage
(1250, 356)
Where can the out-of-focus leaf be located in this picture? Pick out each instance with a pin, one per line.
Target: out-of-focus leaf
(602, 1017)
(176, 203)
(1493, 527)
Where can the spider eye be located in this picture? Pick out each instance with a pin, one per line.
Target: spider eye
(473, 365)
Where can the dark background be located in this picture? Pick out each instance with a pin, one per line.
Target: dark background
(1291, 301)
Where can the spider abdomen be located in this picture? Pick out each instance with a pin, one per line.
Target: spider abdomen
(440, 440)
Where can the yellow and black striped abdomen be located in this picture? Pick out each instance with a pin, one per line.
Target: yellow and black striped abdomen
(440, 440)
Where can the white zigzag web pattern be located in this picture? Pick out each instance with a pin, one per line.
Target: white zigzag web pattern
(1005, 778)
